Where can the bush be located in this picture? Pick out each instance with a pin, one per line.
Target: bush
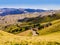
(12, 29)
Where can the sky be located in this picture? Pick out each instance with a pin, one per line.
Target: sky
(36, 4)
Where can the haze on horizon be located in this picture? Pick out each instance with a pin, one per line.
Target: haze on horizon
(35, 4)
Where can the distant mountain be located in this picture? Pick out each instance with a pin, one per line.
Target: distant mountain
(10, 11)
(7, 11)
(35, 10)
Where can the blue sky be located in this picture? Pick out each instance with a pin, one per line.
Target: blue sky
(41, 4)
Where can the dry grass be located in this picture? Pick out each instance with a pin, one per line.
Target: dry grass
(48, 39)
(10, 39)
(54, 28)
(25, 33)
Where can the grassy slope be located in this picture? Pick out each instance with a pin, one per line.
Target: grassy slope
(49, 39)
(54, 28)
(45, 30)
(9, 39)
(25, 33)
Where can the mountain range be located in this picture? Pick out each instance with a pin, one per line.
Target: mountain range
(10, 11)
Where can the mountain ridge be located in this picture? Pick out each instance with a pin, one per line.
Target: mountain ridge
(10, 11)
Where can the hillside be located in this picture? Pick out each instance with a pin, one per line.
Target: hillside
(53, 28)
(47, 36)
(9, 39)
(14, 20)
(19, 33)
